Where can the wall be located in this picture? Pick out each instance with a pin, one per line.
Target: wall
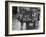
(2, 19)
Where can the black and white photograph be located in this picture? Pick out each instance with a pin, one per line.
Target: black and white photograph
(24, 18)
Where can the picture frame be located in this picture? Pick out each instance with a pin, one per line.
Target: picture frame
(15, 9)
